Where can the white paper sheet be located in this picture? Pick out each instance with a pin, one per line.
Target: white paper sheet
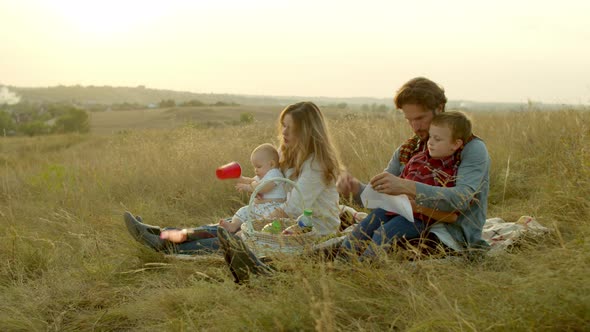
(399, 204)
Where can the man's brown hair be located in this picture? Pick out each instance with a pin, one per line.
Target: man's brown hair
(421, 91)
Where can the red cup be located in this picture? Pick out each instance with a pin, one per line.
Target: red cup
(229, 171)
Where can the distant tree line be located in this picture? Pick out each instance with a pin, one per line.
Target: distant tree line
(374, 107)
(34, 119)
(109, 95)
(164, 103)
(338, 105)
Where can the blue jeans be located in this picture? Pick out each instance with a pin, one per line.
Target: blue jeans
(380, 228)
(202, 241)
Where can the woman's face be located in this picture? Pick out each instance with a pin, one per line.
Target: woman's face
(288, 131)
(419, 119)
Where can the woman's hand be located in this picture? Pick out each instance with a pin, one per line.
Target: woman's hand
(387, 183)
(347, 184)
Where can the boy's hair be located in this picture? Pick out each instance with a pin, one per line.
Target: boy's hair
(421, 91)
(269, 151)
(458, 122)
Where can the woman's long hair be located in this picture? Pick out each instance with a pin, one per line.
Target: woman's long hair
(312, 140)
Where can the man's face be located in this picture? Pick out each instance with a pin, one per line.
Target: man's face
(419, 119)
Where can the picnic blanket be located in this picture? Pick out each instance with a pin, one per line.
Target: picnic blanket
(500, 235)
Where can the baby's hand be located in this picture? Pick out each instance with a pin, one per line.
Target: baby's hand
(224, 223)
(231, 227)
(243, 187)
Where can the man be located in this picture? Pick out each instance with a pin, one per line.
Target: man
(420, 99)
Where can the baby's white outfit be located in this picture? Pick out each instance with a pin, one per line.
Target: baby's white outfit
(263, 210)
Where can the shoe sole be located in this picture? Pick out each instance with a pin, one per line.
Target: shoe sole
(131, 224)
(149, 228)
(142, 234)
(236, 255)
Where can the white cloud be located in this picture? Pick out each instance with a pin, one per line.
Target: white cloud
(8, 97)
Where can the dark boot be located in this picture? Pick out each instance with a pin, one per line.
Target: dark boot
(156, 230)
(136, 227)
(240, 260)
(141, 233)
(154, 242)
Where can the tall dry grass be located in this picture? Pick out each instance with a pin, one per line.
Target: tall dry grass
(69, 264)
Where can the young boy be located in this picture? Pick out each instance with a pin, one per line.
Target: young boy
(437, 166)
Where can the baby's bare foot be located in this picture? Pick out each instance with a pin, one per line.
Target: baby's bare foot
(174, 235)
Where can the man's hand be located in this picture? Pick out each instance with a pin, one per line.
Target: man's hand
(387, 183)
(347, 184)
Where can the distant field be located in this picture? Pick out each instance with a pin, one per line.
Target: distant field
(207, 116)
(113, 121)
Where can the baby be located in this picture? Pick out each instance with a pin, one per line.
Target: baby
(265, 160)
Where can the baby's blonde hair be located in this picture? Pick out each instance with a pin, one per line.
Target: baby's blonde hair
(267, 150)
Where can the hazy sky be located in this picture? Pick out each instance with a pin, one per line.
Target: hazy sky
(478, 50)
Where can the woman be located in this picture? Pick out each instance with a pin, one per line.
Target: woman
(307, 157)
(420, 99)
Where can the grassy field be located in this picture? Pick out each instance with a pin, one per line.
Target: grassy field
(69, 264)
(202, 117)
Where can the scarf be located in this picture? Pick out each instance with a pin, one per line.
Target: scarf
(438, 172)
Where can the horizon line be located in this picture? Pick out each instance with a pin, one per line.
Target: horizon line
(142, 86)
